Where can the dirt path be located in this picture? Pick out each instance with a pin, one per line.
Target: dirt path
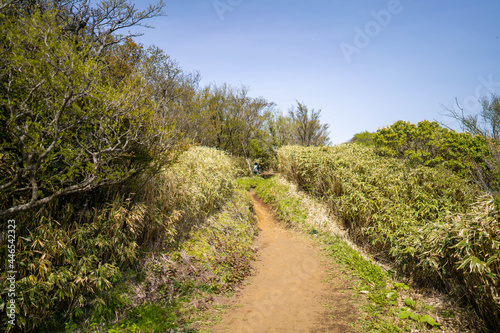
(291, 290)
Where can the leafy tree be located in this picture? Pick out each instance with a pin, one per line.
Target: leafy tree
(308, 130)
(231, 120)
(364, 138)
(487, 125)
(66, 127)
(173, 90)
(430, 144)
(280, 129)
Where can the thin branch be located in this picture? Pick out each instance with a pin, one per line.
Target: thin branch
(86, 185)
(6, 4)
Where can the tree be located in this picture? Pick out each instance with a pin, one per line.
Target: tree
(430, 144)
(486, 123)
(173, 92)
(65, 126)
(231, 120)
(308, 130)
(364, 138)
(280, 129)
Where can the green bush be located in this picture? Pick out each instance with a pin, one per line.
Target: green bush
(68, 124)
(364, 138)
(423, 219)
(196, 186)
(465, 248)
(73, 249)
(213, 260)
(430, 144)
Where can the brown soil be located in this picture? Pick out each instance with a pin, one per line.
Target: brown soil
(292, 290)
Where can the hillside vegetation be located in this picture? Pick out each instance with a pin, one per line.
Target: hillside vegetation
(96, 172)
(392, 306)
(118, 169)
(433, 225)
(471, 156)
(190, 215)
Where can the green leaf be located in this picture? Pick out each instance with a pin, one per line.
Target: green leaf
(411, 303)
(401, 285)
(429, 320)
(404, 314)
(414, 316)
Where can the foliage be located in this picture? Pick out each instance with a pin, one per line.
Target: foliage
(308, 130)
(427, 143)
(384, 295)
(195, 187)
(65, 127)
(71, 251)
(364, 138)
(404, 212)
(280, 129)
(466, 248)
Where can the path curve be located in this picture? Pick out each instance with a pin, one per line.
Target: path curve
(289, 291)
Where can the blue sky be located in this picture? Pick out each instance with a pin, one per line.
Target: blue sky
(365, 64)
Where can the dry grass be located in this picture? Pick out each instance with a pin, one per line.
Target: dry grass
(321, 221)
(320, 217)
(73, 250)
(422, 220)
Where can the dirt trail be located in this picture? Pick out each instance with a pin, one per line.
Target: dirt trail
(289, 291)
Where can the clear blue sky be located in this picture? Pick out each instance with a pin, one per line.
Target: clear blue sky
(365, 64)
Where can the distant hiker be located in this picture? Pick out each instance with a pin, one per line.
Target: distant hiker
(256, 169)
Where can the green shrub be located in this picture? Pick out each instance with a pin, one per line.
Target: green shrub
(213, 260)
(195, 187)
(67, 123)
(364, 138)
(465, 248)
(72, 250)
(421, 218)
(430, 144)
